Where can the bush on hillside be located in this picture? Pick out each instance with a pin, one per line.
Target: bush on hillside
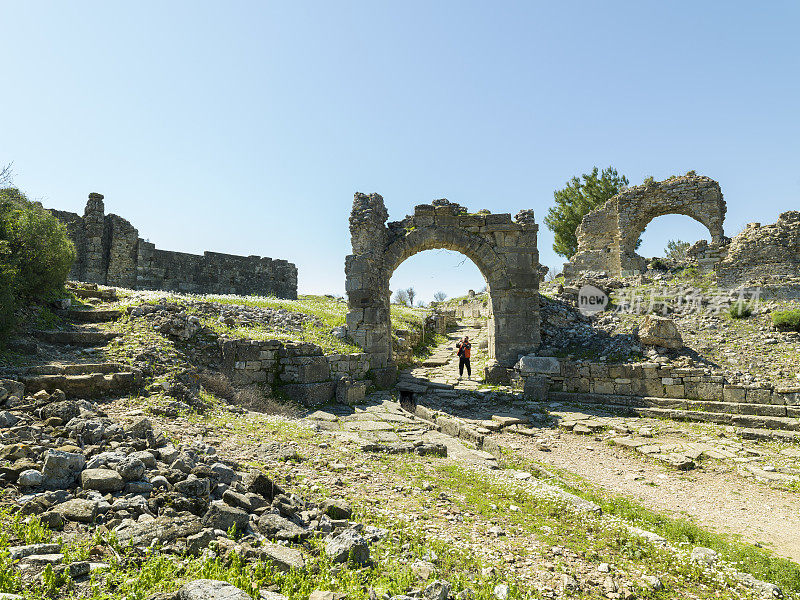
(787, 320)
(740, 310)
(35, 253)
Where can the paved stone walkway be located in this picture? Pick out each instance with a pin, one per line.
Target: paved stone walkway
(442, 365)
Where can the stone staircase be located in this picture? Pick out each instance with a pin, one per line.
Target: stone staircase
(82, 380)
(749, 416)
(91, 290)
(76, 337)
(98, 315)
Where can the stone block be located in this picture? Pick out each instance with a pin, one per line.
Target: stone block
(310, 394)
(536, 388)
(733, 393)
(538, 364)
(758, 396)
(350, 392)
(675, 391)
(603, 386)
(709, 391)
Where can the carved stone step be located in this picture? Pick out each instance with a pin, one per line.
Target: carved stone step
(740, 414)
(90, 385)
(76, 338)
(77, 369)
(92, 291)
(100, 315)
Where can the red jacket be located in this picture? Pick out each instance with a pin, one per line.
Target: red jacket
(464, 348)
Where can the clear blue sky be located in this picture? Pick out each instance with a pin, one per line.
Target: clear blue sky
(246, 127)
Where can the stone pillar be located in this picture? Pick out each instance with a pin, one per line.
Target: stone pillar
(514, 325)
(367, 285)
(123, 251)
(94, 268)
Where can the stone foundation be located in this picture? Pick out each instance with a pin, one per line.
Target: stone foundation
(301, 370)
(649, 380)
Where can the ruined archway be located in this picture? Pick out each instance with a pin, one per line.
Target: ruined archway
(607, 236)
(504, 251)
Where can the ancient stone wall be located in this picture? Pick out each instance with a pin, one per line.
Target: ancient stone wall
(110, 252)
(608, 235)
(654, 380)
(300, 370)
(763, 254)
(504, 250)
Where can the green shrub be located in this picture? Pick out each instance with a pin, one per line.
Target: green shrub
(35, 253)
(740, 310)
(787, 320)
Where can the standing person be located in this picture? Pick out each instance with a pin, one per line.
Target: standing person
(464, 351)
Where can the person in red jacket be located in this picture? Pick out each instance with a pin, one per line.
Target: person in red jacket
(464, 351)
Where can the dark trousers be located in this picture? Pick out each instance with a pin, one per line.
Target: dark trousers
(463, 361)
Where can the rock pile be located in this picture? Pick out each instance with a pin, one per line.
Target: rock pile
(67, 462)
(182, 319)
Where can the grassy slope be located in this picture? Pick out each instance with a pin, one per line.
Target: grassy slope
(330, 311)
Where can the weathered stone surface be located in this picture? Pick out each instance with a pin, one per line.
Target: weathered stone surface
(277, 527)
(660, 331)
(30, 478)
(538, 364)
(348, 546)
(162, 528)
(131, 469)
(193, 487)
(83, 511)
(222, 516)
(61, 469)
(282, 558)
(102, 480)
(337, 509)
(769, 252)
(257, 482)
(211, 589)
(311, 394)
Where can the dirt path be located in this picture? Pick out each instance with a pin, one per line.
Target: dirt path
(721, 501)
(714, 496)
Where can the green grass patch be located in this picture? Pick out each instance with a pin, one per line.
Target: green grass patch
(786, 320)
(740, 310)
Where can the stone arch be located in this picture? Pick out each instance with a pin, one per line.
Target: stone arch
(607, 236)
(504, 251)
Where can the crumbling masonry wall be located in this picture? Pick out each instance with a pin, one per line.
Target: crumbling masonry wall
(763, 254)
(607, 236)
(110, 252)
(505, 252)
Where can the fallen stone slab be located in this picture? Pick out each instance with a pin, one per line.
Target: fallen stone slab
(211, 589)
(19, 552)
(163, 529)
(283, 558)
(102, 480)
(78, 509)
(348, 546)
